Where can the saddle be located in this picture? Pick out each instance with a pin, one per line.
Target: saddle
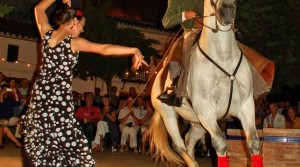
(263, 70)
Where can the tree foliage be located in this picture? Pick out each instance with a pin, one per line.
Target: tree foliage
(4, 10)
(272, 28)
(102, 29)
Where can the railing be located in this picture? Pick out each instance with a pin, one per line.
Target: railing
(138, 76)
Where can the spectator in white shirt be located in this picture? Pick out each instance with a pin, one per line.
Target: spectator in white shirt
(129, 125)
(274, 119)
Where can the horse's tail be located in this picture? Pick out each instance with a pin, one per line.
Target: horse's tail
(159, 145)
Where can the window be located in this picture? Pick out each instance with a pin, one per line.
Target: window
(12, 53)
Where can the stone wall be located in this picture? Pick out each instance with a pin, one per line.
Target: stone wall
(279, 147)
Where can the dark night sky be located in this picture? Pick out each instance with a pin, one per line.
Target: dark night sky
(139, 10)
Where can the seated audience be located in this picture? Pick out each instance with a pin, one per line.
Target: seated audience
(284, 112)
(98, 97)
(88, 117)
(113, 96)
(83, 97)
(4, 131)
(21, 109)
(259, 114)
(8, 100)
(76, 100)
(129, 125)
(121, 103)
(107, 124)
(292, 122)
(140, 105)
(132, 92)
(2, 79)
(274, 119)
(145, 123)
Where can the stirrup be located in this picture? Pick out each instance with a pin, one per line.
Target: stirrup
(171, 99)
(163, 96)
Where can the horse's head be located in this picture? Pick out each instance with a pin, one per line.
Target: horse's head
(225, 11)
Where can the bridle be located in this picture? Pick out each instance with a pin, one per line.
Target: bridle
(216, 28)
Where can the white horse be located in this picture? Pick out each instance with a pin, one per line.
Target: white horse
(214, 92)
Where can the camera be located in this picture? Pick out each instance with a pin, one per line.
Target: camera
(9, 89)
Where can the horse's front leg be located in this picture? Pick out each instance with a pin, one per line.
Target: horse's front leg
(247, 118)
(195, 133)
(208, 119)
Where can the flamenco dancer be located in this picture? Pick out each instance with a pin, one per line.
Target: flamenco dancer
(53, 136)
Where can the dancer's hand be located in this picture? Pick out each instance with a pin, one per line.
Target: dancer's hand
(138, 60)
(68, 2)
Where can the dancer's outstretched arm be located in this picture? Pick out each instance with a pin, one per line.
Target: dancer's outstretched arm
(81, 44)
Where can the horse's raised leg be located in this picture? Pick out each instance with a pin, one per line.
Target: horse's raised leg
(195, 133)
(247, 116)
(171, 124)
(170, 118)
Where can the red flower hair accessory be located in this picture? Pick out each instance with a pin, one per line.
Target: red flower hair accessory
(79, 13)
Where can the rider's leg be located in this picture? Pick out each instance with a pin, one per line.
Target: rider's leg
(178, 88)
(175, 98)
(175, 69)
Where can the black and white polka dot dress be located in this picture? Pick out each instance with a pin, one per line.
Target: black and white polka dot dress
(53, 136)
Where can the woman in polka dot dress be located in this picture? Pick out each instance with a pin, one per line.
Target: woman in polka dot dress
(53, 136)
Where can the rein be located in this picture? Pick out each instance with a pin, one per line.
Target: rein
(231, 77)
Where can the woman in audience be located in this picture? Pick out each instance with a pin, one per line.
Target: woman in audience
(292, 122)
(8, 100)
(5, 131)
(107, 124)
(145, 123)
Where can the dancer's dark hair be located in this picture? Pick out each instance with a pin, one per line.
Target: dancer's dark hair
(65, 15)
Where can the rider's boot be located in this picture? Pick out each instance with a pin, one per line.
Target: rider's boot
(173, 98)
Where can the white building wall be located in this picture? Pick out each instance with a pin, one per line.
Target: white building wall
(81, 86)
(27, 57)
